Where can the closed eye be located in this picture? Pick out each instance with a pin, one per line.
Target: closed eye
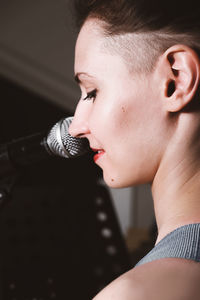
(91, 95)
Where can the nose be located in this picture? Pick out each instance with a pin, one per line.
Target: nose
(80, 126)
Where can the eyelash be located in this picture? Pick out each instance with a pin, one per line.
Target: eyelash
(91, 95)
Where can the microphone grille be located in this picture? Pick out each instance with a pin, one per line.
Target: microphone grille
(61, 143)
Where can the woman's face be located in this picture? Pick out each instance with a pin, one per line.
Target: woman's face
(118, 112)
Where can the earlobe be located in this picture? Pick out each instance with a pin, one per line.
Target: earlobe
(182, 78)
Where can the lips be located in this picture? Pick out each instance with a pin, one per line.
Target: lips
(99, 153)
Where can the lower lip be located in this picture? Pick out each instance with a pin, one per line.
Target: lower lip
(98, 155)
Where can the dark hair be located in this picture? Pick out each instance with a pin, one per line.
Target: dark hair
(157, 24)
(123, 16)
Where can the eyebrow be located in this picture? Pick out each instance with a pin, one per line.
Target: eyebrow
(77, 79)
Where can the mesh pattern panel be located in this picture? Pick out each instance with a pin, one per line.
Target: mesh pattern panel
(63, 144)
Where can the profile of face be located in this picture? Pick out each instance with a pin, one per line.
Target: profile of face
(118, 112)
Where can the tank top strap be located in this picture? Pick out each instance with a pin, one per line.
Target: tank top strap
(183, 242)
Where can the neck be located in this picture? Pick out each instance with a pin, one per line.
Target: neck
(176, 188)
(175, 208)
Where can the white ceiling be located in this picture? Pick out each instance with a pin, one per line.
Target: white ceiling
(37, 48)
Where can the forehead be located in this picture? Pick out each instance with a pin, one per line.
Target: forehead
(94, 26)
(90, 40)
(92, 53)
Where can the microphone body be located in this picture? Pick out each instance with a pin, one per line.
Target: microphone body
(34, 148)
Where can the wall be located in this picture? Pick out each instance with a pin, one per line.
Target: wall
(134, 207)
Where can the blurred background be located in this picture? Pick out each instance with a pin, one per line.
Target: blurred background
(63, 233)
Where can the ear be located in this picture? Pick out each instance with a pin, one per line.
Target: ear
(181, 65)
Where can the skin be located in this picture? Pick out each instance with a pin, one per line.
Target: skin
(116, 103)
(146, 136)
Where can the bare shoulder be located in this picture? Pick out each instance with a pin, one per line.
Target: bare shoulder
(164, 279)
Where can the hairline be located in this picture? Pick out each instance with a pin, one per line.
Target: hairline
(141, 49)
(130, 46)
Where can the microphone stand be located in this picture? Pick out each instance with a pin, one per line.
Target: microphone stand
(14, 157)
(6, 188)
(8, 177)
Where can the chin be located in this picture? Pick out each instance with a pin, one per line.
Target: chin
(119, 181)
(115, 182)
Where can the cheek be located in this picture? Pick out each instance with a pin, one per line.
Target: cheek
(111, 121)
(127, 118)
(118, 113)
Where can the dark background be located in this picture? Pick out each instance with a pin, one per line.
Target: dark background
(59, 235)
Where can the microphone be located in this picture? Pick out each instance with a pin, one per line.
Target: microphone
(31, 149)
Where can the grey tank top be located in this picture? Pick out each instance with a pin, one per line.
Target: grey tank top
(183, 242)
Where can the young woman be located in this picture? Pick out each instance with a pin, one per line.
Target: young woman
(138, 67)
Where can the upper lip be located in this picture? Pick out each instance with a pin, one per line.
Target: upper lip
(96, 150)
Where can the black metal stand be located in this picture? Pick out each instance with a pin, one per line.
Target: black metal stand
(6, 187)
